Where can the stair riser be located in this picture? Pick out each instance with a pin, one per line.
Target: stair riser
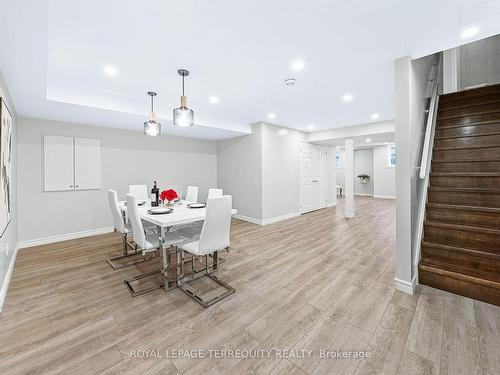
(463, 288)
(465, 182)
(467, 120)
(468, 102)
(463, 217)
(486, 242)
(468, 130)
(467, 154)
(453, 97)
(483, 140)
(438, 256)
(468, 111)
(485, 166)
(471, 199)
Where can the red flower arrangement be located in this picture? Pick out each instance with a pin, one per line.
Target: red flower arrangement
(168, 195)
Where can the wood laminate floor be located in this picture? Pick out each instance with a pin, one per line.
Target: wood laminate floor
(312, 283)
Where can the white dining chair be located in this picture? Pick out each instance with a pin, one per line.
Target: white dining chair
(140, 192)
(149, 243)
(214, 193)
(214, 237)
(192, 194)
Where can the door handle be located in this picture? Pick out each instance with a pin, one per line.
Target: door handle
(315, 181)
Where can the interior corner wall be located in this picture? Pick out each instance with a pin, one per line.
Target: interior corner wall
(280, 171)
(239, 172)
(9, 239)
(384, 176)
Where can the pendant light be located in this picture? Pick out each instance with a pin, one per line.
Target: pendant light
(183, 116)
(152, 127)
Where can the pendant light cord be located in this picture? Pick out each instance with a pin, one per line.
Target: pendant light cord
(152, 107)
(183, 85)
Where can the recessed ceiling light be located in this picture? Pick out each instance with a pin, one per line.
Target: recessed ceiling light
(110, 71)
(271, 116)
(469, 32)
(311, 126)
(214, 99)
(375, 116)
(346, 98)
(368, 140)
(298, 65)
(290, 81)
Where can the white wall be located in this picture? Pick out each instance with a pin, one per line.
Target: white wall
(8, 241)
(384, 177)
(280, 171)
(411, 79)
(239, 171)
(363, 164)
(127, 158)
(480, 62)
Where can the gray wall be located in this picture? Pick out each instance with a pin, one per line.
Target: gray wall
(128, 157)
(363, 164)
(384, 183)
(480, 62)
(280, 170)
(239, 171)
(8, 241)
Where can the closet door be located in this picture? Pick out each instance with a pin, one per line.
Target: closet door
(87, 163)
(58, 163)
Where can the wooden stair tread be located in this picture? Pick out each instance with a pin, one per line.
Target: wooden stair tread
(491, 111)
(465, 160)
(485, 122)
(465, 190)
(467, 228)
(470, 93)
(488, 279)
(465, 174)
(444, 206)
(471, 102)
(467, 136)
(465, 147)
(452, 248)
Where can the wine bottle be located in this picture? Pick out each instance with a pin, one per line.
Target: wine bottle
(155, 192)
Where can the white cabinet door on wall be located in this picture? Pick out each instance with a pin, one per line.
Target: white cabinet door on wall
(58, 163)
(87, 163)
(71, 163)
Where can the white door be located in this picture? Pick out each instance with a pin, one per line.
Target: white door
(313, 177)
(87, 163)
(307, 166)
(58, 164)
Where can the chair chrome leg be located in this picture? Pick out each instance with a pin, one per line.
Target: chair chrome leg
(191, 279)
(117, 266)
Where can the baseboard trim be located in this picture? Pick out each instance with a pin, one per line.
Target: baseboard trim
(406, 286)
(363, 195)
(331, 204)
(384, 196)
(280, 218)
(5, 286)
(64, 237)
(248, 219)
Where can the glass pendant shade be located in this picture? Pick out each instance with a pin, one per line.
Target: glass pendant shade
(152, 127)
(183, 116)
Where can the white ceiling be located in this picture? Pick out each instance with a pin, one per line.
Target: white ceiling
(53, 54)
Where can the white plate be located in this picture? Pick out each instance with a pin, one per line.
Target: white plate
(160, 211)
(196, 205)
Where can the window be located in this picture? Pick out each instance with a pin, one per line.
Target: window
(391, 156)
(338, 160)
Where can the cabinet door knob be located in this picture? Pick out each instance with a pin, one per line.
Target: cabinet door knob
(70, 185)
(77, 185)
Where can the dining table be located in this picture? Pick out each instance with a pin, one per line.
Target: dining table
(180, 215)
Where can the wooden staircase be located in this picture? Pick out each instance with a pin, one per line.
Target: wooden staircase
(461, 243)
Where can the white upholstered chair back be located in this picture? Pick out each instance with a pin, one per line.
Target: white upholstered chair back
(140, 192)
(192, 194)
(216, 227)
(118, 222)
(135, 221)
(214, 193)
